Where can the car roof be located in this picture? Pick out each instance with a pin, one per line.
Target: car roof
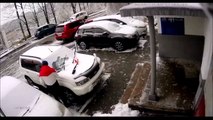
(108, 17)
(44, 25)
(99, 24)
(67, 22)
(42, 51)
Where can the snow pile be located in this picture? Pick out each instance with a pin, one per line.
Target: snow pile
(141, 43)
(119, 110)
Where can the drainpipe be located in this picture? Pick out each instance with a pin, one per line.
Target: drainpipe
(152, 94)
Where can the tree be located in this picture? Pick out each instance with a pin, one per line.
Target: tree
(35, 15)
(25, 20)
(43, 7)
(53, 12)
(79, 6)
(73, 5)
(17, 13)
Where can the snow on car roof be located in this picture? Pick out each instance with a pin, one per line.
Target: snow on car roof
(42, 51)
(108, 25)
(108, 16)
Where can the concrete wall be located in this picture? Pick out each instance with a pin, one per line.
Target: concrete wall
(192, 25)
(187, 46)
(208, 93)
(207, 67)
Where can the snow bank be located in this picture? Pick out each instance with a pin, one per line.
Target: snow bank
(119, 110)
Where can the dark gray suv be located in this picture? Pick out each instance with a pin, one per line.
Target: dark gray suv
(45, 30)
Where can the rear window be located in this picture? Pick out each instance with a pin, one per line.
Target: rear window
(75, 24)
(59, 29)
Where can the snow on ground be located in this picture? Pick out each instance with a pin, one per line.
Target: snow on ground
(142, 42)
(119, 110)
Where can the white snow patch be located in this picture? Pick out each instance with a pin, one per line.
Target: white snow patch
(141, 43)
(110, 49)
(119, 110)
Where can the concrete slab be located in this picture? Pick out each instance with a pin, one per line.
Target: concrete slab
(177, 82)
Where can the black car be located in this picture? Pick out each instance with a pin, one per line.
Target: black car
(106, 34)
(45, 30)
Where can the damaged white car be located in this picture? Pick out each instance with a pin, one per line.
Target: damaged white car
(78, 72)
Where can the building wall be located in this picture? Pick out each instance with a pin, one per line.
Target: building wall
(207, 67)
(193, 25)
(188, 46)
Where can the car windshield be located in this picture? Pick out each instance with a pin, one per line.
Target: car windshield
(19, 100)
(61, 60)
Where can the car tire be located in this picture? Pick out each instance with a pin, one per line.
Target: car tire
(119, 46)
(67, 96)
(83, 45)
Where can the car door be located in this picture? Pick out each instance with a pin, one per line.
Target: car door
(88, 36)
(101, 36)
(31, 68)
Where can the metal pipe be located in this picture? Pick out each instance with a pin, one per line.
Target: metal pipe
(152, 94)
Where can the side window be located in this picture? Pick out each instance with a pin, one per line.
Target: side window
(88, 31)
(31, 64)
(118, 21)
(98, 31)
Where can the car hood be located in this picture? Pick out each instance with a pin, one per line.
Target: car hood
(85, 62)
(125, 29)
(46, 106)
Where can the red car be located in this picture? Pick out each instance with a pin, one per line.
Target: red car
(66, 31)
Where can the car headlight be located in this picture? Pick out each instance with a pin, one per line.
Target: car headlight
(82, 80)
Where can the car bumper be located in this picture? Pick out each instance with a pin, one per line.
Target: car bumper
(142, 31)
(88, 87)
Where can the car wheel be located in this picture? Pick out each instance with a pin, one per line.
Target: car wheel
(67, 96)
(119, 46)
(83, 45)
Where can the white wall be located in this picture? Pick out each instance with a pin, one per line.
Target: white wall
(208, 46)
(207, 66)
(193, 25)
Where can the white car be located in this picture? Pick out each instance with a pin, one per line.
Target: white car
(20, 99)
(79, 16)
(138, 24)
(80, 77)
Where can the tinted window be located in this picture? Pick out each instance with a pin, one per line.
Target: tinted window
(99, 30)
(75, 24)
(59, 29)
(51, 25)
(118, 21)
(31, 64)
(88, 31)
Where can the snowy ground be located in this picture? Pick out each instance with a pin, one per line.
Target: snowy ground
(119, 110)
(119, 65)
